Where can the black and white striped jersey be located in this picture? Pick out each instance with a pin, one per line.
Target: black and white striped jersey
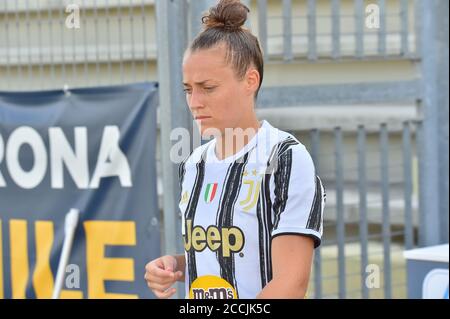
(232, 208)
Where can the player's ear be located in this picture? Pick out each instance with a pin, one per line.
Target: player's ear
(252, 79)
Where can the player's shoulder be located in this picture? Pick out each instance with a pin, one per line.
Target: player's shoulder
(283, 141)
(290, 154)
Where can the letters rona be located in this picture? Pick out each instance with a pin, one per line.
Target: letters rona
(196, 309)
(111, 161)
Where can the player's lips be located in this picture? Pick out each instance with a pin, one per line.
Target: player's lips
(202, 117)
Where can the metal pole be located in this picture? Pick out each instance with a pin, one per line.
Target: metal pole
(363, 223)
(315, 151)
(433, 34)
(382, 29)
(340, 214)
(336, 28)
(359, 26)
(28, 31)
(312, 34)
(198, 8)
(262, 27)
(119, 21)
(172, 41)
(144, 39)
(41, 59)
(62, 26)
(97, 53)
(386, 226)
(287, 30)
(407, 172)
(133, 55)
(404, 10)
(7, 44)
(70, 224)
(85, 43)
(108, 40)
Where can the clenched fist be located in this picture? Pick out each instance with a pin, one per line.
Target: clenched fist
(161, 274)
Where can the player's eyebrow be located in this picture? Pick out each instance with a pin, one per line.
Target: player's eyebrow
(197, 83)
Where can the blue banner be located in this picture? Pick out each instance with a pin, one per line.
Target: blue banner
(87, 149)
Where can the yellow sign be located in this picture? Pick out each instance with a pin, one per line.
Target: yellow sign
(99, 268)
(211, 287)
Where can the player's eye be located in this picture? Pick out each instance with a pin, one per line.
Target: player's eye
(210, 88)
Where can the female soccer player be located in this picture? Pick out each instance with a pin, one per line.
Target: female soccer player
(251, 201)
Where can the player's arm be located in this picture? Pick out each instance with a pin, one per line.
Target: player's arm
(291, 267)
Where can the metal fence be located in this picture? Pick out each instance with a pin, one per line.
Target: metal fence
(116, 41)
(373, 233)
(341, 30)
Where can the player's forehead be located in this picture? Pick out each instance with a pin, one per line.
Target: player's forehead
(205, 65)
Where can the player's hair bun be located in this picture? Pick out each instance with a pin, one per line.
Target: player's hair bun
(229, 15)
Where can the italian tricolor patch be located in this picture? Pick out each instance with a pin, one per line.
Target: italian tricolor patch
(210, 192)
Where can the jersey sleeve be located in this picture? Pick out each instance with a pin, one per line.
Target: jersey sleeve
(298, 196)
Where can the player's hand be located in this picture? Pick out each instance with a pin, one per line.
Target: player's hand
(161, 274)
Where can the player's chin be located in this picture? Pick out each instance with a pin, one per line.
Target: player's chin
(208, 130)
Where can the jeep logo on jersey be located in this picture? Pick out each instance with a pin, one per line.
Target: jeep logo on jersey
(210, 192)
(229, 239)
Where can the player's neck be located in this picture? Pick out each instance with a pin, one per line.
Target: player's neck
(233, 140)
